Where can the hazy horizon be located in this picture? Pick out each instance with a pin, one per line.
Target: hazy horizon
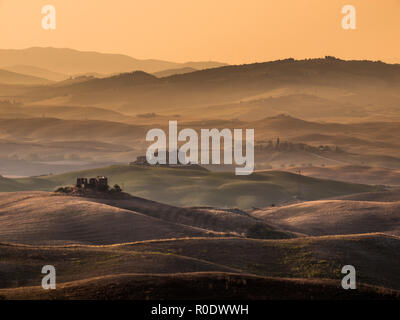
(179, 31)
(208, 60)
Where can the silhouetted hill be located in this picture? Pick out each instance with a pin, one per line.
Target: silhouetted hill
(37, 72)
(71, 61)
(233, 83)
(171, 72)
(8, 77)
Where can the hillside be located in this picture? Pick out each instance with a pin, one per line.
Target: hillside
(42, 139)
(68, 61)
(13, 78)
(354, 174)
(37, 72)
(217, 189)
(71, 219)
(333, 217)
(96, 243)
(309, 257)
(232, 221)
(202, 286)
(309, 83)
(303, 260)
(171, 72)
(106, 219)
(390, 195)
(40, 128)
(60, 112)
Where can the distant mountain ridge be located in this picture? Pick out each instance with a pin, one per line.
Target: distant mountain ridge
(36, 72)
(171, 72)
(69, 61)
(229, 84)
(14, 78)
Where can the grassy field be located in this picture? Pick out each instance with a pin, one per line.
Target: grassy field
(332, 217)
(289, 265)
(202, 286)
(73, 219)
(375, 256)
(355, 174)
(199, 187)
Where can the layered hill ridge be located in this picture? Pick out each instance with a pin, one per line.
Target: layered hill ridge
(72, 219)
(14, 78)
(229, 84)
(175, 186)
(69, 61)
(107, 219)
(37, 72)
(333, 217)
(357, 174)
(202, 286)
(115, 242)
(287, 229)
(304, 260)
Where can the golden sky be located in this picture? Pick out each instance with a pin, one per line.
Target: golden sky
(234, 31)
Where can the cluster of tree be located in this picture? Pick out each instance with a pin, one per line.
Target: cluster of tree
(293, 146)
(70, 189)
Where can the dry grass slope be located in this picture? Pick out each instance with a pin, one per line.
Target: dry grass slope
(45, 218)
(354, 174)
(332, 217)
(201, 286)
(376, 257)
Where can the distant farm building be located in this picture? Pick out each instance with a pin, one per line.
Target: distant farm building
(98, 183)
(142, 160)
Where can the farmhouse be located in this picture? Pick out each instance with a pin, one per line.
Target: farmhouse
(98, 183)
(142, 160)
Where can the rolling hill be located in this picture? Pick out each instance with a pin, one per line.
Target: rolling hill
(23, 219)
(37, 72)
(333, 217)
(195, 186)
(61, 112)
(84, 270)
(202, 286)
(108, 219)
(304, 257)
(69, 61)
(354, 174)
(76, 263)
(171, 72)
(45, 133)
(13, 78)
(273, 234)
(390, 195)
(40, 128)
(309, 83)
(115, 243)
